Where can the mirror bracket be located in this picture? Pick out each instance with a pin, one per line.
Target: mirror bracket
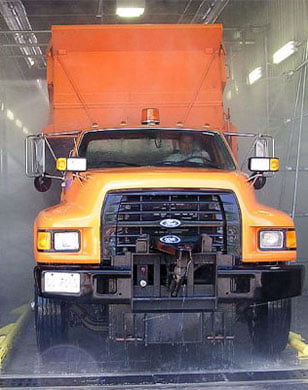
(43, 182)
(257, 180)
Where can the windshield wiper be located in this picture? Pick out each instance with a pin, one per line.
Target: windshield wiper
(101, 164)
(186, 164)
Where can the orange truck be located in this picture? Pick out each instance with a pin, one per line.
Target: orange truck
(158, 237)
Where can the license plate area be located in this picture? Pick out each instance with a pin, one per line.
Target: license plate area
(61, 282)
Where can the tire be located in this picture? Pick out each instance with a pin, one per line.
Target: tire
(269, 326)
(51, 322)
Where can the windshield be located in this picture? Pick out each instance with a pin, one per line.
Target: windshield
(155, 147)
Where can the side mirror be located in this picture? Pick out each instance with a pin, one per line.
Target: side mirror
(42, 183)
(35, 156)
(71, 164)
(263, 164)
(261, 147)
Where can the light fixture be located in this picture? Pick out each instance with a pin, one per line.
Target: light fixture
(31, 61)
(229, 94)
(284, 52)
(255, 75)
(18, 123)
(9, 115)
(25, 130)
(130, 8)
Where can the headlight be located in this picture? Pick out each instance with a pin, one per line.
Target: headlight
(58, 241)
(66, 241)
(271, 239)
(283, 239)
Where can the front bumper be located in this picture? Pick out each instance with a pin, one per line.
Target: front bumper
(114, 285)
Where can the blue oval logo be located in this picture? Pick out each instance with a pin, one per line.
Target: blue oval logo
(170, 239)
(170, 223)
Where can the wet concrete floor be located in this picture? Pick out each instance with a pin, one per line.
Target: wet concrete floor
(89, 352)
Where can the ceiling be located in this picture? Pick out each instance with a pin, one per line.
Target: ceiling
(34, 18)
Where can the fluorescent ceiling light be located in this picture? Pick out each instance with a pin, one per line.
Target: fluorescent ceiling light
(130, 8)
(129, 12)
(255, 75)
(284, 52)
(10, 115)
(18, 123)
(25, 130)
(31, 61)
(229, 94)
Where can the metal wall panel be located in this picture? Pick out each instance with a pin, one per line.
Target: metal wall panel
(274, 103)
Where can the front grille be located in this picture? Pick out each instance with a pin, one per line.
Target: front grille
(128, 216)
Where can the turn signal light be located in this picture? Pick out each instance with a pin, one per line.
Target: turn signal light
(71, 164)
(61, 164)
(43, 241)
(291, 239)
(274, 164)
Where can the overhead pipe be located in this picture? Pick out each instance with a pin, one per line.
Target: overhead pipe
(16, 18)
(24, 45)
(24, 31)
(215, 11)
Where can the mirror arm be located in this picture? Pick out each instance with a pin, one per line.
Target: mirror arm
(53, 177)
(256, 137)
(254, 177)
(257, 180)
(248, 152)
(50, 148)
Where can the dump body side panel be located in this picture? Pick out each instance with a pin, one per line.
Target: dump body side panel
(108, 74)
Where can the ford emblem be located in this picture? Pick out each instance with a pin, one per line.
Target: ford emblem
(170, 223)
(170, 239)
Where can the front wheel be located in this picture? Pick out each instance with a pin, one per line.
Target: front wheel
(269, 326)
(51, 322)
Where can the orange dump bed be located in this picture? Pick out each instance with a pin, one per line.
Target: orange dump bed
(107, 74)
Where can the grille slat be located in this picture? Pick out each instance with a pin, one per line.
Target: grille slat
(156, 223)
(128, 215)
(163, 202)
(172, 212)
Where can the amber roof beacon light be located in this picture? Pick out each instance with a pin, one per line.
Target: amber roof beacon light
(150, 116)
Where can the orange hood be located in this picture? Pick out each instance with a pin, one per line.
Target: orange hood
(82, 202)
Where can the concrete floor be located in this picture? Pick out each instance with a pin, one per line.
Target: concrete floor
(88, 353)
